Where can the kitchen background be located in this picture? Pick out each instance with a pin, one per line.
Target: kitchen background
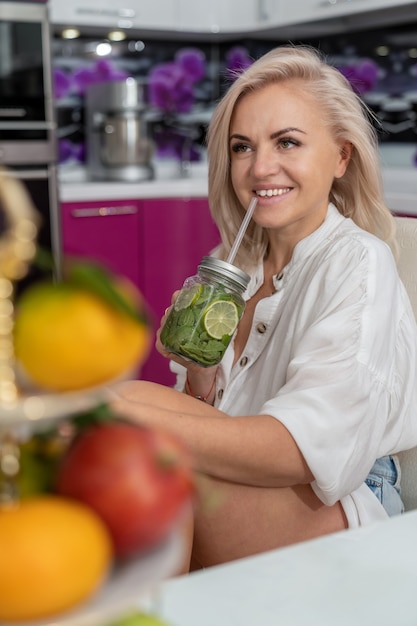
(182, 82)
(156, 231)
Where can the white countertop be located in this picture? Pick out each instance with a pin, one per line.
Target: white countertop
(74, 185)
(400, 186)
(363, 577)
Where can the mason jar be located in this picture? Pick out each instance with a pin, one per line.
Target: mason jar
(206, 312)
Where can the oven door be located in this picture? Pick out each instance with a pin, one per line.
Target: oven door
(27, 124)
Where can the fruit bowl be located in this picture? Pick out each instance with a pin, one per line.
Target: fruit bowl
(25, 410)
(39, 410)
(130, 579)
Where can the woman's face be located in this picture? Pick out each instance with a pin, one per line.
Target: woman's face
(283, 153)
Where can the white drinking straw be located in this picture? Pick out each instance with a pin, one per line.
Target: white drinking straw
(242, 230)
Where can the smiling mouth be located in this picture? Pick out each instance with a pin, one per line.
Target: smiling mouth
(269, 193)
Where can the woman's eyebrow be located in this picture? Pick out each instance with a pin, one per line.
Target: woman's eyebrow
(284, 131)
(237, 136)
(275, 135)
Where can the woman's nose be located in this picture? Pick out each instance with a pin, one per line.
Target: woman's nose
(265, 162)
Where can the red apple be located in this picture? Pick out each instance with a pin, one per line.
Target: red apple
(137, 479)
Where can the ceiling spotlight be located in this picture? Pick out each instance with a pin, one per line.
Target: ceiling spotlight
(117, 35)
(70, 33)
(103, 49)
(382, 51)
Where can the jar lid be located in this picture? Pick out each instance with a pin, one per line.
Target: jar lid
(227, 270)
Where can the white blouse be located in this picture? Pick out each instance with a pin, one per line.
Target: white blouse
(332, 354)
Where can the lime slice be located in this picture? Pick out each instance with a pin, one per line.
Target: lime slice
(221, 318)
(187, 297)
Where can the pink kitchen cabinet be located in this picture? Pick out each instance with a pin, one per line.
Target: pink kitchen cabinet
(109, 232)
(178, 233)
(156, 243)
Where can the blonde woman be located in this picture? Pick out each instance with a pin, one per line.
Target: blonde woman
(319, 383)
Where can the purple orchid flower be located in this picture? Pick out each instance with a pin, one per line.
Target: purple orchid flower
(171, 90)
(171, 85)
(64, 150)
(168, 90)
(362, 76)
(79, 152)
(102, 71)
(237, 60)
(67, 150)
(62, 83)
(173, 143)
(192, 62)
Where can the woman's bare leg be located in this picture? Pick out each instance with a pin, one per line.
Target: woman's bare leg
(244, 520)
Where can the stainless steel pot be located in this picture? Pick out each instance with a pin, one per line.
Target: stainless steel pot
(125, 140)
(119, 146)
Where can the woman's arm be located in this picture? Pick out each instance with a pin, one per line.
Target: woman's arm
(253, 450)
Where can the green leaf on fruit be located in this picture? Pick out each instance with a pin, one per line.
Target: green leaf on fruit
(39, 458)
(99, 414)
(43, 259)
(98, 280)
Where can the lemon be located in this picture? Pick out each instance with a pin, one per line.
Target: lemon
(221, 318)
(187, 297)
(67, 338)
(55, 553)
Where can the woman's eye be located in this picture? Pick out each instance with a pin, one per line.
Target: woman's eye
(287, 143)
(240, 147)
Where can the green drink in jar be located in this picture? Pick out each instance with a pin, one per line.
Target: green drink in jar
(206, 312)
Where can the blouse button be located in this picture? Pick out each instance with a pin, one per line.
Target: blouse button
(261, 328)
(243, 361)
(220, 394)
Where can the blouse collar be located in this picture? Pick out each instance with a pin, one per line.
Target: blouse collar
(301, 252)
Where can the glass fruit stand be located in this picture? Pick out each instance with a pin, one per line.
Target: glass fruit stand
(23, 412)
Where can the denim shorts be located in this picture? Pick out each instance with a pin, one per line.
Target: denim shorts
(384, 481)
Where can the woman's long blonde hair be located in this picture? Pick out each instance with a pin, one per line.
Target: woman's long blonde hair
(358, 194)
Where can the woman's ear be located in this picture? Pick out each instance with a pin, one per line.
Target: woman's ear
(345, 153)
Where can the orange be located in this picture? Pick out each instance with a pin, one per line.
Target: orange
(55, 553)
(67, 338)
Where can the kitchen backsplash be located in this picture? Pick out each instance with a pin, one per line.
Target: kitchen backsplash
(183, 82)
